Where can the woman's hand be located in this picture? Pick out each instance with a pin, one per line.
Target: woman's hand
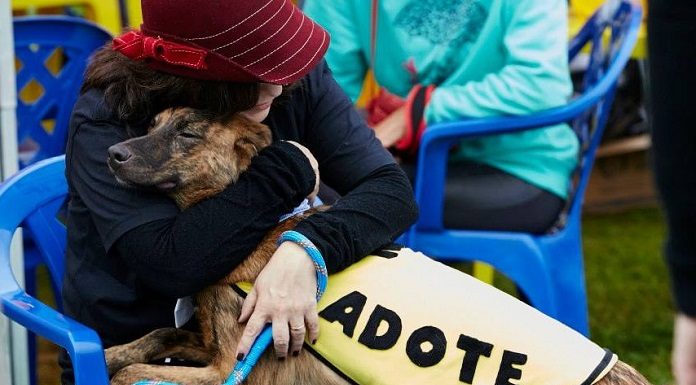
(284, 294)
(315, 166)
(392, 128)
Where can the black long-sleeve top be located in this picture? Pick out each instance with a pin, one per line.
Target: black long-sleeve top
(132, 252)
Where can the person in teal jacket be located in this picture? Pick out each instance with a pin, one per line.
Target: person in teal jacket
(443, 60)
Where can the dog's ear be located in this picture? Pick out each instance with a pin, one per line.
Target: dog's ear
(252, 137)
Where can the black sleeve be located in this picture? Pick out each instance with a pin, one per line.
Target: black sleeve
(371, 215)
(195, 247)
(377, 203)
(205, 242)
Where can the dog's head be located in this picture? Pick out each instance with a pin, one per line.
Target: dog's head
(188, 153)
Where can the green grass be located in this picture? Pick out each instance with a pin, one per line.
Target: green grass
(628, 291)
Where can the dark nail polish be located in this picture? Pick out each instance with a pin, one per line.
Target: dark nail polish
(240, 356)
(314, 342)
(295, 353)
(281, 358)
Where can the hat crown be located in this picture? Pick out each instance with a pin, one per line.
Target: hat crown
(207, 21)
(243, 40)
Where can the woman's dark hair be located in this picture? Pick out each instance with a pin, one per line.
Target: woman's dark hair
(135, 93)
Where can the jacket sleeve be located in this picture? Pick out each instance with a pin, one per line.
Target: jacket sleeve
(377, 203)
(172, 252)
(349, 54)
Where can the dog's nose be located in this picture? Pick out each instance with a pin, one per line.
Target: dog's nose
(119, 153)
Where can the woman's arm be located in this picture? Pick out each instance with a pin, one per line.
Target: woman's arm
(377, 203)
(376, 211)
(175, 253)
(348, 56)
(205, 242)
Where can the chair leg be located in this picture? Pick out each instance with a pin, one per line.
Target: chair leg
(30, 288)
(33, 357)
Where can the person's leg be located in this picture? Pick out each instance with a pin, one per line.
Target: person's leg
(480, 197)
(672, 62)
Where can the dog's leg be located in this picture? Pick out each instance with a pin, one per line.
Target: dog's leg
(305, 369)
(159, 343)
(623, 374)
(182, 375)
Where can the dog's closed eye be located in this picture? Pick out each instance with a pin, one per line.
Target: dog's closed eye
(154, 122)
(190, 135)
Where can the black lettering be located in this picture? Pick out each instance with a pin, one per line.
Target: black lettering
(474, 349)
(346, 311)
(369, 336)
(506, 371)
(414, 347)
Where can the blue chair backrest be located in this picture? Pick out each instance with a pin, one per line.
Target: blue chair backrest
(32, 198)
(608, 55)
(611, 34)
(51, 55)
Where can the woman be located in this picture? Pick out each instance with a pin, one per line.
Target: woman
(132, 253)
(440, 61)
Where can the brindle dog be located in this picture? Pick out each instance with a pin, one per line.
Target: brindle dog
(190, 156)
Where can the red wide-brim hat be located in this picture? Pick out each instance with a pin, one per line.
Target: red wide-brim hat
(269, 41)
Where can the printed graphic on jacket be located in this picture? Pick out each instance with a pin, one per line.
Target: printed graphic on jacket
(403, 318)
(453, 25)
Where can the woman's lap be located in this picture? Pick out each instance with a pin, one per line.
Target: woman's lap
(481, 197)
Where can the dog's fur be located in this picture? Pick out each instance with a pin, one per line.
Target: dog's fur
(191, 156)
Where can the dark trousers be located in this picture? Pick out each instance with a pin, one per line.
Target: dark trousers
(672, 62)
(480, 197)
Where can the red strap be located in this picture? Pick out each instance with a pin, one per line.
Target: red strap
(416, 102)
(421, 125)
(406, 141)
(137, 46)
(373, 43)
(373, 31)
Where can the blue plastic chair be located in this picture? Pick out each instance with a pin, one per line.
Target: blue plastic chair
(548, 268)
(31, 199)
(51, 55)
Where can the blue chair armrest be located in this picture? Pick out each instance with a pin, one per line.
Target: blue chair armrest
(82, 343)
(439, 138)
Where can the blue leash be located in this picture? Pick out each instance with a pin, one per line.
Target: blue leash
(243, 368)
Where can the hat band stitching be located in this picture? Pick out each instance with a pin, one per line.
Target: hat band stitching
(280, 46)
(323, 39)
(252, 31)
(265, 40)
(122, 46)
(232, 27)
(294, 54)
(199, 64)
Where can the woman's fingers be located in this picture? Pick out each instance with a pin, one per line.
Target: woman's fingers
(281, 337)
(248, 306)
(297, 334)
(284, 294)
(312, 324)
(252, 329)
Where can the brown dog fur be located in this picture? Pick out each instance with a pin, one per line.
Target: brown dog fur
(191, 156)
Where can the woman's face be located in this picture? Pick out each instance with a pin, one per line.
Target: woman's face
(267, 92)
